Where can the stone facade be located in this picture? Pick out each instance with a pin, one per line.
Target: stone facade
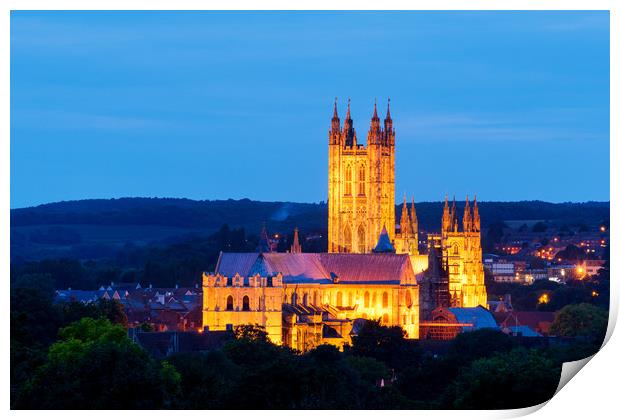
(361, 203)
(361, 184)
(304, 300)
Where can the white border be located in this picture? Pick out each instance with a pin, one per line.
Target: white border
(592, 394)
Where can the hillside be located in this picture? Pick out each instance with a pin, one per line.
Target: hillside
(97, 228)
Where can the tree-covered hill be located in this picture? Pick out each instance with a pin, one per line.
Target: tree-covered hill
(96, 228)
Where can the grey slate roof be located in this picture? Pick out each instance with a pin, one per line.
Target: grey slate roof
(478, 316)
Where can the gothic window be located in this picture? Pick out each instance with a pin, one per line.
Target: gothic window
(246, 303)
(348, 178)
(366, 300)
(305, 299)
(408, 300)
(374, 299)
(347, 239)
(316, 297)
(361, 178)
(456, 249)
(294, 298)
(229, 303)
(385, 299)
(339, 299)
(361, 240)
(229, 281)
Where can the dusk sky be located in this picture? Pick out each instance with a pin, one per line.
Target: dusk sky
(215, 105)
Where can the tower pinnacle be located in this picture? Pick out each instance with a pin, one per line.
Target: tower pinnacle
(467, 226)
(404, 220)
(296, 247)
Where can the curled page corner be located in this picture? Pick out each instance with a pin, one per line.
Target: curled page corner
(570, 369)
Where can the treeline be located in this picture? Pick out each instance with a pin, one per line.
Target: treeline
(179, 263)
(92, 364)
(282, 215)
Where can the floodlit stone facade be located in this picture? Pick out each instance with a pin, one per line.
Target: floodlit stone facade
(304, 299)
(372, 270)
(361, 203)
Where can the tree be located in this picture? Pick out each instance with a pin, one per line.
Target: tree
(518, 379)
(95, 366)
(581, 320)
(473, 345)
(386, 344)
(251, 332)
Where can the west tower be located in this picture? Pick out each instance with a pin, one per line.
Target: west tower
(360, 183)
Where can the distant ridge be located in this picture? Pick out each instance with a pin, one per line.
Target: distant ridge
(211, 214)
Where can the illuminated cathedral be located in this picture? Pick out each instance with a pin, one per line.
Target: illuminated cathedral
(372, 268)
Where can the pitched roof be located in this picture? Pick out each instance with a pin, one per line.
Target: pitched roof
(384, 244)
(319, 268)
(537, 320)
(478, 316)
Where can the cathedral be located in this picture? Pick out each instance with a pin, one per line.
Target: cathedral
(373, 268)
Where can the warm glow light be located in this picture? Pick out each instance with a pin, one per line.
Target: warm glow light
(594, 293)
(544, 298)
(602, 228)
(563, 272)
(580, 270)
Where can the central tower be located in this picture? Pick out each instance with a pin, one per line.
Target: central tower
(361, 183)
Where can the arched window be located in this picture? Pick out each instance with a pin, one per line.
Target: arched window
(361, 239)
(305, 299)
(246, 303)
(408, 300)
(339, 299)
(366, 300)
(347, 239)
(386, 299)
(316, 298)
(294, 298)
(348, 178)
(386, 319)
(229, 303)
(455, 249)
(374, 299)
(361, 178)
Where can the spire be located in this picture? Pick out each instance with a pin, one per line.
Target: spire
(476, 221)
(335, 124)
(387, 123)
(348, 117)
(348, 131)
(296, 248)
(374, 134)
(414, 219)
(446, 220)
(467, 216)
(455, 220)
(404, 221)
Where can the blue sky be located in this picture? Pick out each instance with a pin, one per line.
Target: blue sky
(215, 105)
